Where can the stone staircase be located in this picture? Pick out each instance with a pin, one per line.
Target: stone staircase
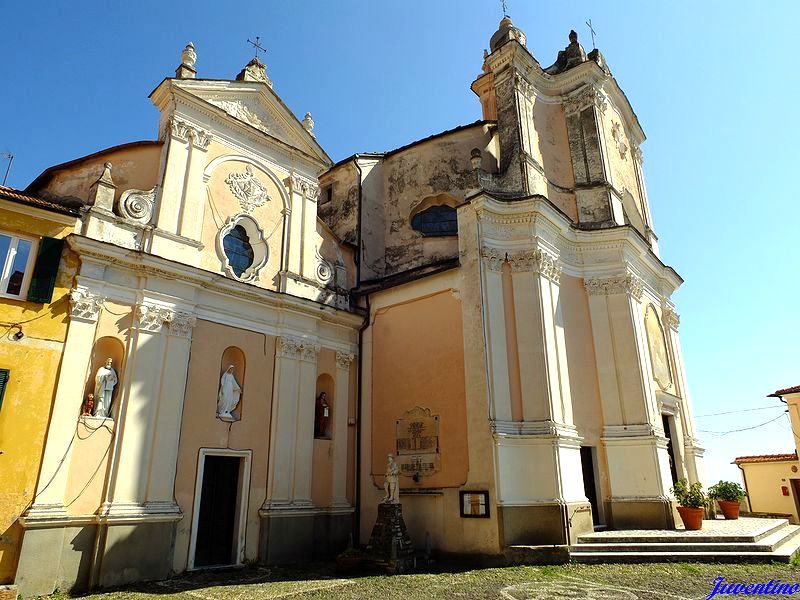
(744, 540)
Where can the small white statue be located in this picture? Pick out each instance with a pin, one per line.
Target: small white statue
(391, 482)
(229, 393)
(104, 382)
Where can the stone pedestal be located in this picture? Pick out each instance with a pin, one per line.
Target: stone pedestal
(390, 542)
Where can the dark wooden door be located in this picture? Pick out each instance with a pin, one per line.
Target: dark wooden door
(673, 467)
(589, 486)
(218, 507)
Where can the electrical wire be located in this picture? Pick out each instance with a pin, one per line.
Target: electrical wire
(743, 429)
(730, 412)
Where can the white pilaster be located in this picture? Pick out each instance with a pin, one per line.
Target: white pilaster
(340, 410)
(85, 307)
(495, 327)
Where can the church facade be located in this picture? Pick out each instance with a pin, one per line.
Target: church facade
(252, 329)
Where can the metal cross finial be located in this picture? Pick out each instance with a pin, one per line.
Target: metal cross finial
(589, 23)
(256, 45)
(505, 7)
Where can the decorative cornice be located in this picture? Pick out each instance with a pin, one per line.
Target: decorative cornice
(185, 132)
(150, 317)
(535, 428)
(181, 324)
(299, 185)
(343, 360)
(619, 284)
(671, 318)
(537, 261)
(587, 96)
(297, 349)
(85, 305)
(493, 258)
(611, 432)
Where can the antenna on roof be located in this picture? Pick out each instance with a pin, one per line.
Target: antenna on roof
(10, 158)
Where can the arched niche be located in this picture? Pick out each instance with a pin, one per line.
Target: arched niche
(323, 407)
(659, 355)
(104, 348)
(231, 357)
(435, 216)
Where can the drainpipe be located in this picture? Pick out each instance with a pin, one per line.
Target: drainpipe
(357, 513)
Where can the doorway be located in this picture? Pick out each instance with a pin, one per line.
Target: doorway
(590, 487)
(220, 508)
(667, 421)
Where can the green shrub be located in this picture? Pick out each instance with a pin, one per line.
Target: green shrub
(691, 496)
(726, 490)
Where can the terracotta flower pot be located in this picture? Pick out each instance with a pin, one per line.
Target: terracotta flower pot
(730, 508)
(692, 517)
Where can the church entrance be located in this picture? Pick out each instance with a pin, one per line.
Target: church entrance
(667, 421)
(220, 510)
(590, 486)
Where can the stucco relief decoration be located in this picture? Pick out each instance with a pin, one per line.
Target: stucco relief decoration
(248, 189)
(536, 260)
(297, 349)
(325, 271)
(343, 359)
(587, 96)
(671, 318)
(150, 317)
(137, 205)
(182, 323)
(85, 305)
(659, 357)
(185, 132)
(239, 110)
(493, 258)
(417, 443)
(619, 139)
(619, 284)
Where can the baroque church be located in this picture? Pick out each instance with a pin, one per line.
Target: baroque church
(250, 329)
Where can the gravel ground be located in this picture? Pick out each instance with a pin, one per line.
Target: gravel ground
(600, 582)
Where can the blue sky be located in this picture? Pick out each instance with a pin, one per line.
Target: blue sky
(713, 84)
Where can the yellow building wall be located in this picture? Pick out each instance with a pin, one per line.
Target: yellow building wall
(33, 363)
(764, 482)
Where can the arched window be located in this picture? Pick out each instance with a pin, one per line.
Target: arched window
(436, 220)
(238, 250)
(242, 248)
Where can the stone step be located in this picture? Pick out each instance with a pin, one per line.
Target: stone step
(680, 536)
(766, 544)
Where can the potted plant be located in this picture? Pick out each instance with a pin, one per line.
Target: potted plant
(692, 502)
(729, 496)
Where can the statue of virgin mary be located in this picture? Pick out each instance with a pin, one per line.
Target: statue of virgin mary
(228, 397)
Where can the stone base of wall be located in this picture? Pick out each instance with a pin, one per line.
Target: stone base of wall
(544, 523)
(287, 538)
(647, 514)
(63, 557)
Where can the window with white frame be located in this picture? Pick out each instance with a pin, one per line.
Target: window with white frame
(17, 257)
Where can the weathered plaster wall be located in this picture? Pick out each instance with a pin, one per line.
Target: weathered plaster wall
(33, 362)
(764, 481)
(200, 427)
(132, 168)
(221, 204)
(340, 213)
(553, 147)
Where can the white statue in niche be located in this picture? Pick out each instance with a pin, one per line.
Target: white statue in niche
(229, 394)
(104, 382)
(391, 482)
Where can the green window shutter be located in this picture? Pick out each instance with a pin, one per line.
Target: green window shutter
(46, 270)
(4, 373)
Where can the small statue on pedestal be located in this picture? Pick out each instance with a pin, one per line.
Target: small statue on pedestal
(88, 406)
(229, 395)
(391, 482)
(104, 382)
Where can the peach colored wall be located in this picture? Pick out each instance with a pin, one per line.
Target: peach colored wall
(764, 481)
(131, 168)
(622, 169)
(220, 204)
(201, 429)
(554, 155)
(322, 468)
(93, 438)
(419, 361)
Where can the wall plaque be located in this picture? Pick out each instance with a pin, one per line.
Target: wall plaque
(417, 435)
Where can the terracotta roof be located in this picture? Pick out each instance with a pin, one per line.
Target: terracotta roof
(784, 391)
(7, 193)
(762, 458)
